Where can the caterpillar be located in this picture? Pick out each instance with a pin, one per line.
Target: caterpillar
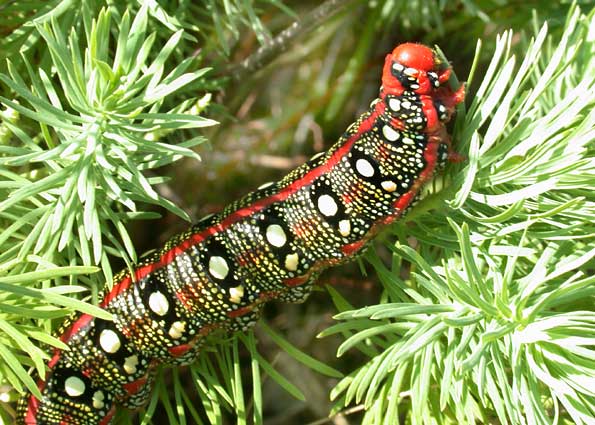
(269, 245)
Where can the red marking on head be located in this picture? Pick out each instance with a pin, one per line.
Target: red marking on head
(444, 76)
(412, 57)
(449, 98)
(415, 56)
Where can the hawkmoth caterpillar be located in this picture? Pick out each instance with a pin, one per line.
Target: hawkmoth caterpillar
(269, 245)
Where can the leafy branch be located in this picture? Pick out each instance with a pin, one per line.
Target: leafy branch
(487, 310)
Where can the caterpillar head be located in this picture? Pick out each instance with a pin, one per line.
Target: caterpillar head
(413, 67)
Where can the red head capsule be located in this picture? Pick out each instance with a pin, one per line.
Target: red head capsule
(415, 56)
(412, 67)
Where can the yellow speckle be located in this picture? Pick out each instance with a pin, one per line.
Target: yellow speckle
(291, 262)
(389, 186)
(236, 294)
(177, 329)
(344, 227)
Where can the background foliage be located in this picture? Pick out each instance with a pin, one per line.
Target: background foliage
(478, 308)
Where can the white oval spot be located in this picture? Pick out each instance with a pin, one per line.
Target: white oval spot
(236, 294)
(344, 227)
(291, 262)
(109, 341)
(218, 267)
(408, 141)
(158, 303)
(177, 329)
(98, 398)
(265, 185)
(317, 155)
(364, 167)
(74, 386)
(130, 364)
(276, 235)
(394, 104)
(389, 186)
(327, 205)
(390, 134)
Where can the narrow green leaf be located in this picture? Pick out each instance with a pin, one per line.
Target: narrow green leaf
(299, 355)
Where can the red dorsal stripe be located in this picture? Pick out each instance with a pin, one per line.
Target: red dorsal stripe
(242, 213)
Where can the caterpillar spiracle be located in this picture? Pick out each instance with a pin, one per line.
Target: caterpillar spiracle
(269, 245)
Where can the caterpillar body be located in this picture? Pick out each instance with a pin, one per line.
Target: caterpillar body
(269, 245)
